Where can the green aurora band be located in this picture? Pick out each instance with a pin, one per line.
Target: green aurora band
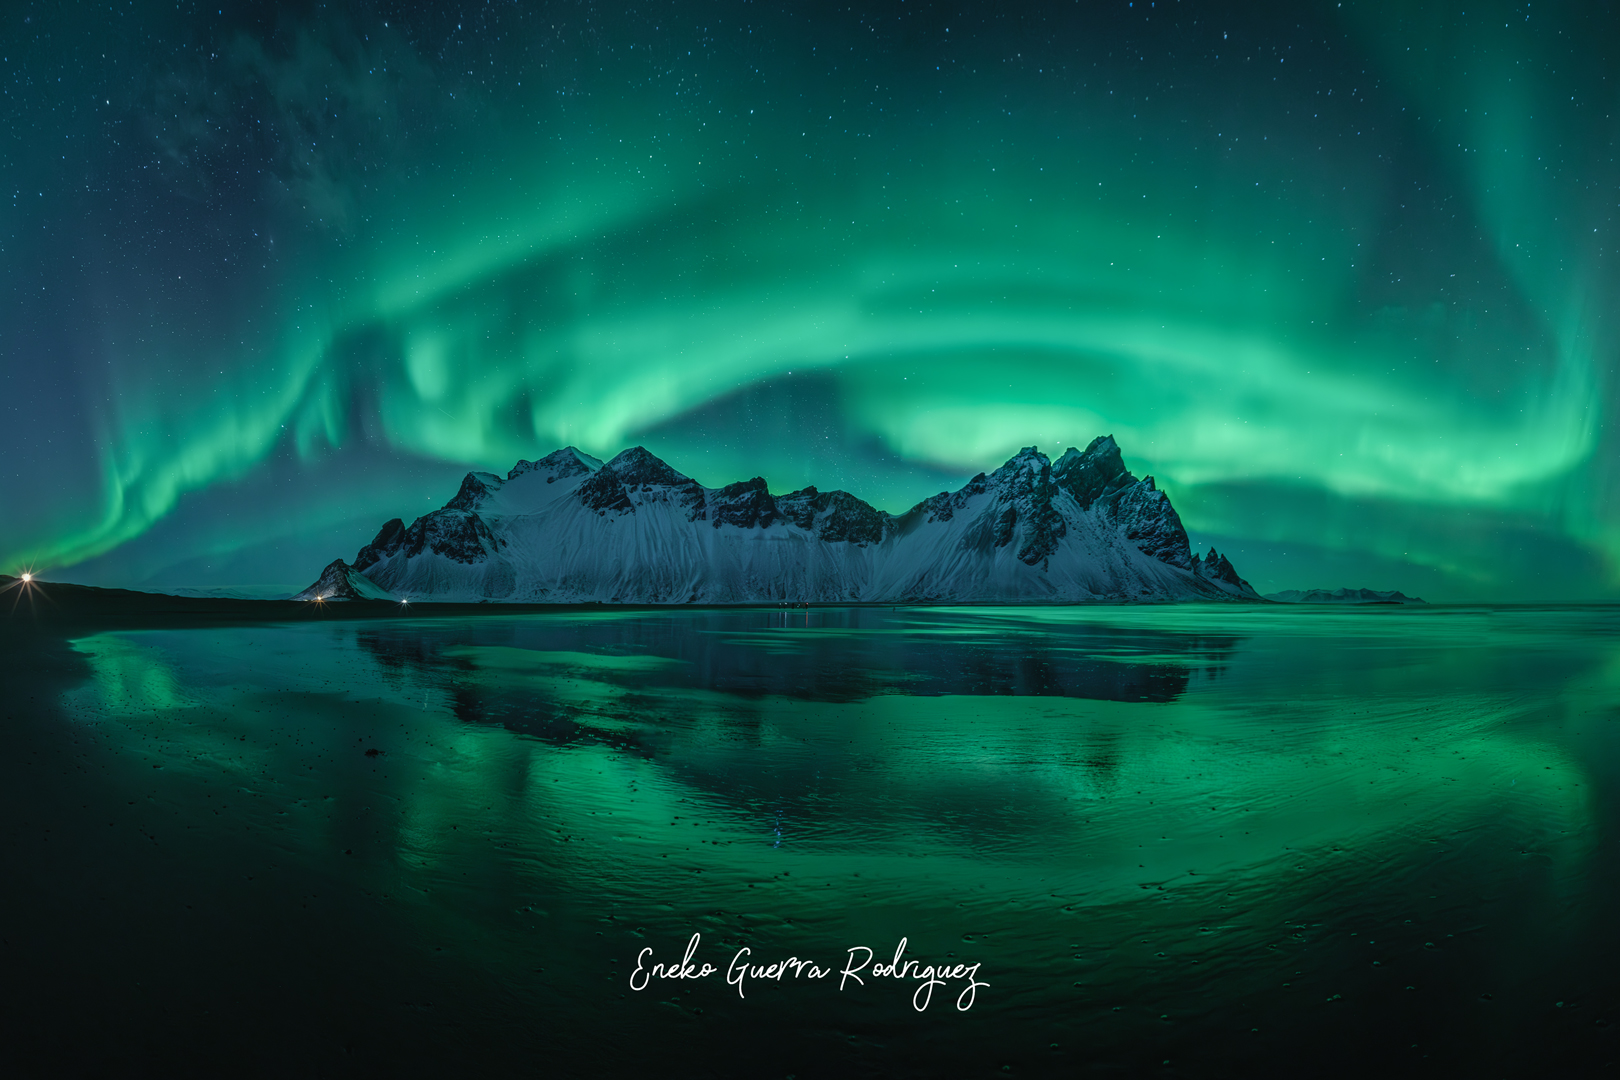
(1341, 281)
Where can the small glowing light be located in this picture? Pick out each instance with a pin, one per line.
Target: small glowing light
(404, 600)
(27, 578)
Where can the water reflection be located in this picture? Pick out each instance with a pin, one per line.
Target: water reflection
(1191, 813)
(838, 655)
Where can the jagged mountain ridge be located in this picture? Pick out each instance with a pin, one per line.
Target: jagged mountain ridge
(570, 528)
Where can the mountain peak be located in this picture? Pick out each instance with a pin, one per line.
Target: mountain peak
(1091, 473)
(569, 461)
(1030, 458)
(475, 487)
(1217, 568)
(636, 469)
(340, 581)
(386, 541)
(1102, 444)
(638, 465)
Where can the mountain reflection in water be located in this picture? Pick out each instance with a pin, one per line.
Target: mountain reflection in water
(841, 654)
(1235, 839)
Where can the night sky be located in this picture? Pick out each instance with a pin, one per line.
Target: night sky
(1342, 277)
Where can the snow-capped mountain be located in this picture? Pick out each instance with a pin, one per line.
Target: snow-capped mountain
(569, 528)
(340, 581)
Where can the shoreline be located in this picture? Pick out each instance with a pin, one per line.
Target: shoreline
(56, 604)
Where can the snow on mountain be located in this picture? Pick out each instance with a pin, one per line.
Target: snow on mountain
(1342, 596)
(340, 581)
(569, 528)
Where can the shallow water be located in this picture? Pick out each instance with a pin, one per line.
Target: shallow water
(1176, 840)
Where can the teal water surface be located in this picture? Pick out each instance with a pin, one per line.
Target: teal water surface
(1174, 841)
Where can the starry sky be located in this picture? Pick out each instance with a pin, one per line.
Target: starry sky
(1341, 276)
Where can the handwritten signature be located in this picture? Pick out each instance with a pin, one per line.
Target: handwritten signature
(743, 972)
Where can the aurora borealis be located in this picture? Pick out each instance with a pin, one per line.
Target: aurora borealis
(1340, 276)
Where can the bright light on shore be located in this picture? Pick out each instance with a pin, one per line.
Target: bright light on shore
(27, 578)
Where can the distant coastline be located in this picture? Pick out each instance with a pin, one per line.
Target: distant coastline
(1342, 596)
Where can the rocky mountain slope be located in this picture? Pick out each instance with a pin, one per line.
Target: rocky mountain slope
(569, 528)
